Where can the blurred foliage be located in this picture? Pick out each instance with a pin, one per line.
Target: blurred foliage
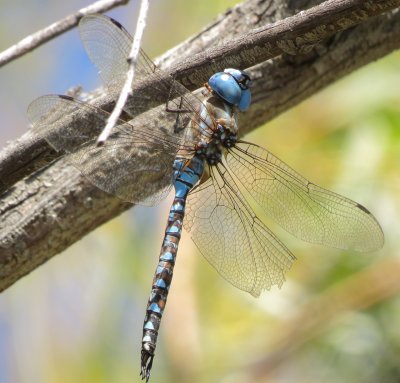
(79, 317)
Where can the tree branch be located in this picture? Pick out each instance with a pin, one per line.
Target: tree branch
(293, 35)
(40, 214)
(33, 41)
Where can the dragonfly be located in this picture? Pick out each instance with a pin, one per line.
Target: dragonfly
(195, 148)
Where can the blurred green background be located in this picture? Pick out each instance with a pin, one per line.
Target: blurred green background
(79, 317)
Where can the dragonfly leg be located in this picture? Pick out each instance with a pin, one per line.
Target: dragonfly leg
(178, 110)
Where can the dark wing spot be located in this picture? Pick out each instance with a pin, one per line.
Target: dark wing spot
(116, 23)
(364, 209)
(66, 97)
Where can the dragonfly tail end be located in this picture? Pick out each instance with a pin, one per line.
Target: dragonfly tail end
(146, 364)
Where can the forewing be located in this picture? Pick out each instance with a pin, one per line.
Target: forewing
(302, 208)
(136, 157)
(108, 45)
(229, 235)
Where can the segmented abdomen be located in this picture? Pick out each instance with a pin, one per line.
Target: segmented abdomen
(186, 175)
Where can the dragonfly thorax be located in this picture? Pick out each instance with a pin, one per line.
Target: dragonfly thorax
(212, 150)
(225, 136)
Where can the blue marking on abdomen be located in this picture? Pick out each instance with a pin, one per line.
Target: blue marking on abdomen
(186, 175)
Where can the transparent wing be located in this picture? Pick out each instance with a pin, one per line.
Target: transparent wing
(302, 208)
(137, 153)
(108, 45)
(229, 235)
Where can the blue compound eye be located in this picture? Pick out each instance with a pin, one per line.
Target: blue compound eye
(232, 86)
(226, 87)
(245, 100)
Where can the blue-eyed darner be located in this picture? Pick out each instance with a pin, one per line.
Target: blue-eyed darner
(194, 147)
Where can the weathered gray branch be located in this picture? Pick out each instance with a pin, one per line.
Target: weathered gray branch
(293, 35)
(52, 209)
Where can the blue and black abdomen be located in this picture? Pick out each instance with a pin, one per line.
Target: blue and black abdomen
(186, 175)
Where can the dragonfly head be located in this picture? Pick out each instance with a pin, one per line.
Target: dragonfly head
(232, 85)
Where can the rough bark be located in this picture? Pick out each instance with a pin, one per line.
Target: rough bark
(292, 36)
(54, 207)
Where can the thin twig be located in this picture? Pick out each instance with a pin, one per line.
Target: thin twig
(127, 88)
(36, 39)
